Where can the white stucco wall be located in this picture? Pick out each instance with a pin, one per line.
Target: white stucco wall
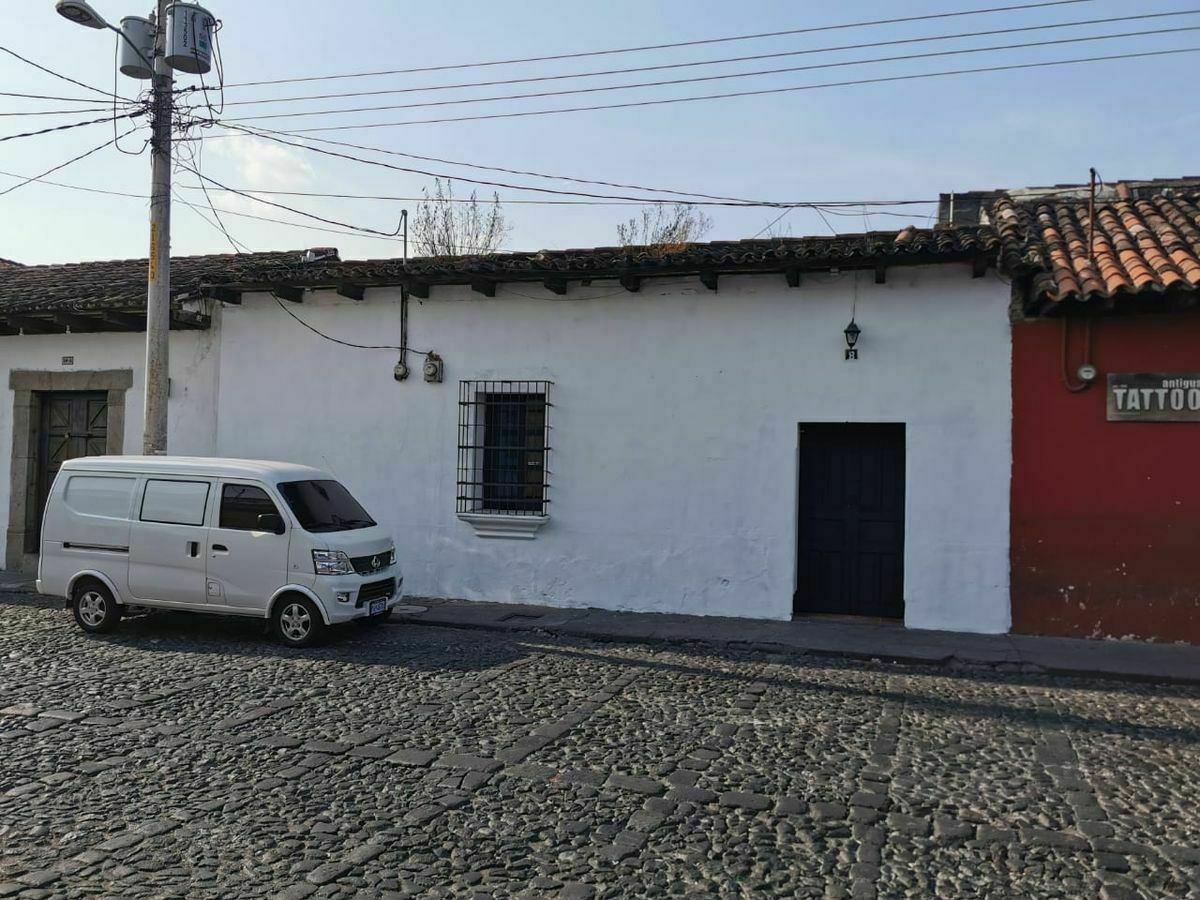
(674, 437)
(193, 372)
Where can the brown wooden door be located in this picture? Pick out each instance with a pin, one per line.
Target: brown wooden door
(851, 520)
(74, 423)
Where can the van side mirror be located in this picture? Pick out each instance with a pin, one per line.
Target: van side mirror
(271, 522)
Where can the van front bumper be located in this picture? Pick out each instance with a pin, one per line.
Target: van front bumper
(351, 597)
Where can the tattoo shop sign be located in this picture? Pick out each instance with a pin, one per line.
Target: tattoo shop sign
(1154, 397)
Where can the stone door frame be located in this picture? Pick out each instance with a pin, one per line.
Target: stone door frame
(27, 387)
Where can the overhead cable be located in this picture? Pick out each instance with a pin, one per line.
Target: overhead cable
(706, 62)
(719, 77)
(695, 43)
(290, 209)
(714, 201)
(751, 93)
(59, 75)
(263, 131)
(74, 159)
(131, 115)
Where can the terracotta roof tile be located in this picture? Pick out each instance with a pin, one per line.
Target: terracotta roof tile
(121, 284)
(1138, 247)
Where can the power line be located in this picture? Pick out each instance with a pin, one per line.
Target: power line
(753, 93)
(13, 137)
(56, 112)
(696, 43)
(719, 77)
(708, 62)
(74, 159)
(49, 97)
(713, 201)
(263, 132)
(238, 246)
(59, 75)
(290, 209)
(390, 199)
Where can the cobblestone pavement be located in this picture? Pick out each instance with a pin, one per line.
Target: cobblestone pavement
(193, 757)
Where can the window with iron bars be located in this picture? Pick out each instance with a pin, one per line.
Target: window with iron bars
(504, 447)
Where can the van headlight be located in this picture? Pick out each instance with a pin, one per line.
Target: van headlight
(392, 557)
(332, 562)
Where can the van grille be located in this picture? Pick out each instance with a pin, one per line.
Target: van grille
(373, 590)
(369, 565)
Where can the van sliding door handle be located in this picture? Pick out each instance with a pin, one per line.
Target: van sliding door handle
(193, 549)
(219, 548)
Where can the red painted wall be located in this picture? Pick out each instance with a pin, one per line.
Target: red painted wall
(1105, 515)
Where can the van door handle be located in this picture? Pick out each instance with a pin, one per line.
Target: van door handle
(193, 549)
(219, 548)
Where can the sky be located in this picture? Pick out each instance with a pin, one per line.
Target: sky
(899, 140)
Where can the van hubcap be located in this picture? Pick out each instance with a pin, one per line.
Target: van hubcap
(92, 608)
(294, 622)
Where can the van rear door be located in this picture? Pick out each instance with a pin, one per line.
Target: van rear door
(168, 541)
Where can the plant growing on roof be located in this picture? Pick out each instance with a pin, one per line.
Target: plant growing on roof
(448, 226)
(664, 228)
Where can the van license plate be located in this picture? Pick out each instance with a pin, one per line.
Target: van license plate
(378, 606)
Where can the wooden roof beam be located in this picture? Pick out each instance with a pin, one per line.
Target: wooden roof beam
(123, 321)
(880, 273)
(483, 286)
(188, 321)
(291, 294)
(556, 285)
(225, 295)
(30, 325)
(979, 266)
(419, 289)
(709, 280)
(631, 283)
(78, 323)
(352, 291)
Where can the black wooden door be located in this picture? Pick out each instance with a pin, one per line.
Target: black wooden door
(851, 520)
(74, 423)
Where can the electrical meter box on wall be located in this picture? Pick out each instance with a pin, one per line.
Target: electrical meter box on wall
(189, 38)
(433, 368)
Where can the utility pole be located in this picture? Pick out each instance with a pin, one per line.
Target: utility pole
(190, 52)
(158, 290)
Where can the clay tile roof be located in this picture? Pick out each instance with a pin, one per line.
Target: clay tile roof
(8, 263)
(118, 284)
(1139, 246)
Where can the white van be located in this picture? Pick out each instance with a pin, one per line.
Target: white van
(227, 536)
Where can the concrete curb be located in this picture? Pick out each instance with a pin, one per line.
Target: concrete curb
(1018, 655)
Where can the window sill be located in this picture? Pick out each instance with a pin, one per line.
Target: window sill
(498, 525)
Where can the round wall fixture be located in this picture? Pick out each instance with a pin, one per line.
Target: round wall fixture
(1087, 372)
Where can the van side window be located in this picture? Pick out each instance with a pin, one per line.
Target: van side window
(99, 495)
(175, 502)
(242, 504)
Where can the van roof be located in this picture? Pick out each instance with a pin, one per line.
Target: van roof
(261, 469)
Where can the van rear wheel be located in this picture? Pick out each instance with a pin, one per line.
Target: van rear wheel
(298, 621)
(95, 609)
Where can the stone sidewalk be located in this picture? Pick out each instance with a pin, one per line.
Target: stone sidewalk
(1134, 660)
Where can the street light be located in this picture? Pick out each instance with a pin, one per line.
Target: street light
(80, 12)
(852, 332)
(158, 281)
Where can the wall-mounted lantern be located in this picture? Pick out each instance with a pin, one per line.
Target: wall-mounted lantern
(852, 332)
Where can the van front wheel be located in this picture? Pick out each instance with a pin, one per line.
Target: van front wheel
(298, 621)
(94, 607)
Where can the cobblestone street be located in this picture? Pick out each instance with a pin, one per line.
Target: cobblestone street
(194, 757)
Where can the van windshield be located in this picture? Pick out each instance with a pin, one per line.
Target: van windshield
(324, 506)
